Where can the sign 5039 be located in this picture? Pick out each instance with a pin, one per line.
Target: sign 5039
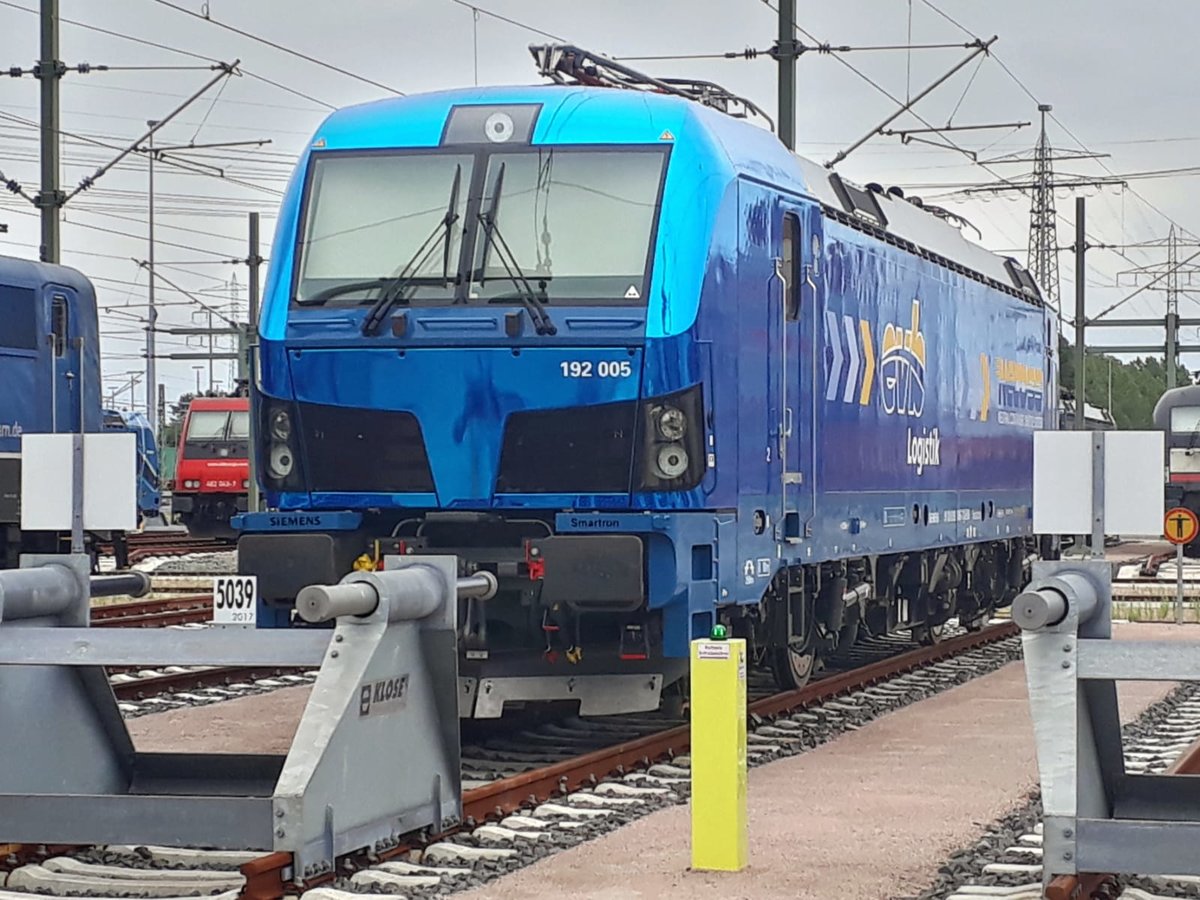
(235, 600)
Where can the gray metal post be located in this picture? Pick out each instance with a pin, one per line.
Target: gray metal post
(1179, 584)
(49, 71)
(1080, 316)
(152, 314)
(785, 54)
(249, 357)
(1172, 360)
(1097, 494)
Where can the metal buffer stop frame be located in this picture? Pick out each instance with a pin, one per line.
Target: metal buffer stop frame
(376, 753)
(1099, 818)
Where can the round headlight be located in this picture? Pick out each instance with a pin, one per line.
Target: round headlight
(672, 423)
(498, 127)
(672, 461)
(281, 425)
(281, 461)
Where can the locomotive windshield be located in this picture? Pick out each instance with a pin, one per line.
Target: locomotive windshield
(1185, 419)
(440, 227)
(370, 214)
(207, 426)
(578, 224)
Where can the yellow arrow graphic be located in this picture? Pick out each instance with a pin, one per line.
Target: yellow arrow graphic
(864, 397)
(987, 387)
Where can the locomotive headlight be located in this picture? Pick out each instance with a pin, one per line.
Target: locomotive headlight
(672, 423)
(281, 425)
(281, 461)
(672, 461)
(498, 127)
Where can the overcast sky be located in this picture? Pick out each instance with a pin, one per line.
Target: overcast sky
(1120, 77)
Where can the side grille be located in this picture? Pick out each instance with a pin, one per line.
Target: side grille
(581, 450)
(363, 450)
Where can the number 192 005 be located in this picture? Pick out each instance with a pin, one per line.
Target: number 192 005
(621, 368)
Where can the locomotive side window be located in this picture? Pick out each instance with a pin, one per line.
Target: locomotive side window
(17, 308)
(790, 268)
(59, 323)
(1185, 419)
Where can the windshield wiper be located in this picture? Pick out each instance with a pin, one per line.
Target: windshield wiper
(394, 291)
(542, 323)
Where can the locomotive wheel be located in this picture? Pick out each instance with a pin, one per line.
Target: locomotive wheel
(928, 635)
(792, 668)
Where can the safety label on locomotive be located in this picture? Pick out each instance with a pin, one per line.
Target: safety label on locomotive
(387, 695)
(713, 650)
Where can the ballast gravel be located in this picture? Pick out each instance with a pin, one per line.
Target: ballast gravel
(869, 816)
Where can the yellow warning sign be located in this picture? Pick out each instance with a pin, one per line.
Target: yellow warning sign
(1180, 525)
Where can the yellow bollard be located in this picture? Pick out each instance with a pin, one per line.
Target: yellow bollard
(718, 672)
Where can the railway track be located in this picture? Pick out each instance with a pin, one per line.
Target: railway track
(188, 609)
(518, 807)
(145, 544)
(145, 691)
(1007, 861)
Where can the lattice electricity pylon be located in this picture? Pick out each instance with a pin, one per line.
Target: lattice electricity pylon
(1170, 276)
(1043, 225)
(1043, 216)
(568, 64)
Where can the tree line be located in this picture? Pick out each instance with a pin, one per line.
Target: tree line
(1135, 385)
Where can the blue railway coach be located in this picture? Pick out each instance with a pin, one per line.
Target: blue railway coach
(49, 376)
(653, 371)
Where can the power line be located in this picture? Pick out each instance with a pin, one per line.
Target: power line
(280, 47)
(496, 15)
(1029, 93)
(168, 48)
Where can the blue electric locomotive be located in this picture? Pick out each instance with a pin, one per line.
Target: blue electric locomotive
(49, 376)
(652, 370)
(149, 496)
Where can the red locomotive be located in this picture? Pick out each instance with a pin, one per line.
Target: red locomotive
(212, 467)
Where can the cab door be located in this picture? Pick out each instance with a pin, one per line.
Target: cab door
(67, 387)
(793, 366)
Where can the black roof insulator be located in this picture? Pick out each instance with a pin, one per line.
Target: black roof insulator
(875, 187)
(896, 192)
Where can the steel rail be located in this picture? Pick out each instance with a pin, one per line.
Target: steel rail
(267, 877)
(1081, 887)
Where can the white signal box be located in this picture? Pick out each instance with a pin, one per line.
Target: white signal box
(1128, 468)
(109, 482)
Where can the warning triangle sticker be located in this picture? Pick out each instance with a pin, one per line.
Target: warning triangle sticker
(632, 293)
(666, 136)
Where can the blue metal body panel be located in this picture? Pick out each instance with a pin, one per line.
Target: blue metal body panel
(34, 378)
(149, 497)
(894, 412)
